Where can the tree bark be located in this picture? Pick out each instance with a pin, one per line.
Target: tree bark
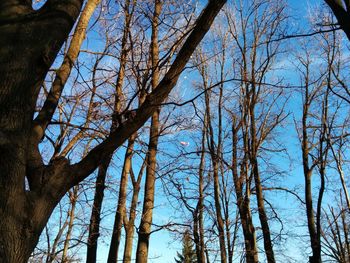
(243, 201)
(29, 43)
(73, 199)
(315, 245)
(198, 229)
(129, 223)
(148, 202)
(119, 215)
(258, 187)
(95, 219)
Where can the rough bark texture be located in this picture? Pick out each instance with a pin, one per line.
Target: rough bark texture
(30, 41)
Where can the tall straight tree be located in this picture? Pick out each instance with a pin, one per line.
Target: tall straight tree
(30, 41)
(151, 158)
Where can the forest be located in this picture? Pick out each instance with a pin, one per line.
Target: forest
(174, 131)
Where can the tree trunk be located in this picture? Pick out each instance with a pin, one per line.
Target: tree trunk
(95, 219)
(258, 187)
(73, 199)
(148, 202)
(129, 225)
(315, 245)
(243, 202)
(100, 183)
(215, 152)
(198, 229)
(119, 215)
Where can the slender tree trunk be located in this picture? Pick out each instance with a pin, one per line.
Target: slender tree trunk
(228, 232)
(215, 152)
(129, 225)
(243, 202)
(258, 187)
(262, 215)
(100, 181)
(95, 219)
(198, 229)
(148, 202)
(220, 221)
(315, 246)
(73, 198)
(119, 215)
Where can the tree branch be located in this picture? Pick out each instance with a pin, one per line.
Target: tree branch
(63, 73)
(341, 12)
(87, 165)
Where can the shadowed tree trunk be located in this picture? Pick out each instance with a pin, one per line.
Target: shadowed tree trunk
(30, 41)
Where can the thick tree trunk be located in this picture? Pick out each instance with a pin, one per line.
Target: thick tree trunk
(27, 50)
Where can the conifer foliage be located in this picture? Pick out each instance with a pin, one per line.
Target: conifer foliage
(188, 254)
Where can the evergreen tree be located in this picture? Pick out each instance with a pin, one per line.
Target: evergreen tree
(188, 254)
